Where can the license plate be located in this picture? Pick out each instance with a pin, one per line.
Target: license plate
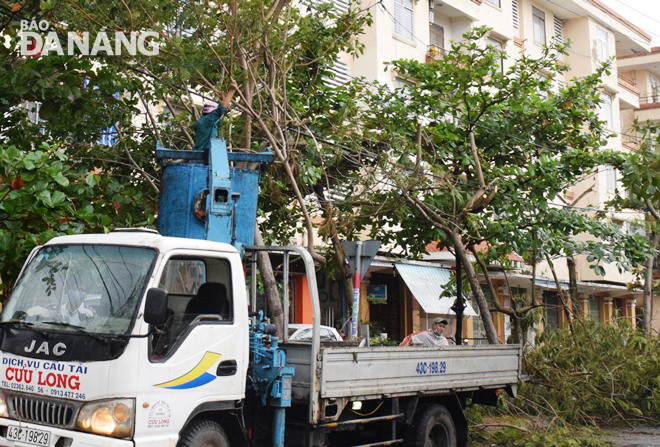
(28, 435)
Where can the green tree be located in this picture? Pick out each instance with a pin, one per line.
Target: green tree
(43, 195)
(466, 153)
(279, 52)
(642, 184)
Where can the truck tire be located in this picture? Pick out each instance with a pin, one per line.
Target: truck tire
(433, 427)
(203, 433)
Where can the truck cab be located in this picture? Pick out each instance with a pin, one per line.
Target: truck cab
(82, 367)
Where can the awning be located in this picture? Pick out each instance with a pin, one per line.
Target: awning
(426, 284)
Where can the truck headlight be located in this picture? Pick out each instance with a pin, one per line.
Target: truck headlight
(4, 409)
(108, 417)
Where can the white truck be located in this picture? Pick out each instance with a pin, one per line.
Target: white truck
(135, 339)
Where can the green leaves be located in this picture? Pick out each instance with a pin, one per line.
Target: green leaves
(595, 387)
(48, 195)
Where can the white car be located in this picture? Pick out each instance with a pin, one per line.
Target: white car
(303, 332)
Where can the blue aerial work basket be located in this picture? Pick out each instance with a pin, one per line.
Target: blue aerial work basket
(208, 199)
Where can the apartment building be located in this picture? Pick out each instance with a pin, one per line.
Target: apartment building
(424, 29)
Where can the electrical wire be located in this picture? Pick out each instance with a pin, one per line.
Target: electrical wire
(369, 414)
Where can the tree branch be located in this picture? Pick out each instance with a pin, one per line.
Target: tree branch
(652, 209)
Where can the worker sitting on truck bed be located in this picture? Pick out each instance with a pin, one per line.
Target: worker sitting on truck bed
(430, 337)
(206, 127)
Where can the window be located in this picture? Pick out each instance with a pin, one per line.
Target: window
(655, 89)
(400, 83)
(594, 308)
(605, 112)
(403, 19)
(551, 310)
(518, 292)
(514, 13)
(538, 18)
(498, 46)
(602, 48)
(183, 276)
(437, 36)
(96, 288)
(338, 76)
(635, 229)
(199, 293)
(496, 3)
(478, 329)
(610, 179)
(559, 31)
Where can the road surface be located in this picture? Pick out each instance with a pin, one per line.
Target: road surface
(642, 436)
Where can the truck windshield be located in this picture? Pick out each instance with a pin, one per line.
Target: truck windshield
(90, 288)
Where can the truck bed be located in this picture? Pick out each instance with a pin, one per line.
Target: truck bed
(371, 373)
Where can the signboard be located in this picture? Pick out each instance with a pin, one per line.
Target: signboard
(368, 250)
(377, 293)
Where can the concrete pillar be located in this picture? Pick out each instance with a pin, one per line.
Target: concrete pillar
(607, 310)
(416, 316)
(498, 317)
(630, 307)
(468, 328)
(584, 306)
(561, 315)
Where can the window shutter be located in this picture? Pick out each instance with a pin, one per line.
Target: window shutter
(340, 75)
(403, 18)
(514, 13)
(342, 5)
(559, 31)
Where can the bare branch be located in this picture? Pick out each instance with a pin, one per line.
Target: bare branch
(477, 162)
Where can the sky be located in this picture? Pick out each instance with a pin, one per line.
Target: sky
(643, 13)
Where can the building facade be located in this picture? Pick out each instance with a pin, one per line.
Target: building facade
(423, 30)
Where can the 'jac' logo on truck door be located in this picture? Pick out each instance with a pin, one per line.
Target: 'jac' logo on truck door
(58, 350)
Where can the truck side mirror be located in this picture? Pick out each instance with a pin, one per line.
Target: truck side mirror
(155, 307)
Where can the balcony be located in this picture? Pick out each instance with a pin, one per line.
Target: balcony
(629, 94)
(628, 82)
(434, 52)
(650, 100)
(649, 108)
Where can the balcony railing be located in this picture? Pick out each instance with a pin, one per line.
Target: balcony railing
(628, 83)
(434, 52)
(649, 99)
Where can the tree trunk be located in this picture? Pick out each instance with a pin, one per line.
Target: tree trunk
(572, 284)
(648, 285)
(473, 279)
(565, 300)
(516, 331)
(270, 285)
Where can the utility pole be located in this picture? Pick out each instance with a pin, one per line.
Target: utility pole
(459, 303)
(359, 255)
(357, 279)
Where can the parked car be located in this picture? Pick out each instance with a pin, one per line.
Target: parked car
(303, 332)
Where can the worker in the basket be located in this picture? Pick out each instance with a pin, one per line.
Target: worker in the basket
(206, 127)
(430, 337)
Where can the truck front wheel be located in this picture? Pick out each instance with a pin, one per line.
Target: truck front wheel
(434, 427)
(203, 433)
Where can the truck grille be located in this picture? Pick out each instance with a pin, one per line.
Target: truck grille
(42, 411)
